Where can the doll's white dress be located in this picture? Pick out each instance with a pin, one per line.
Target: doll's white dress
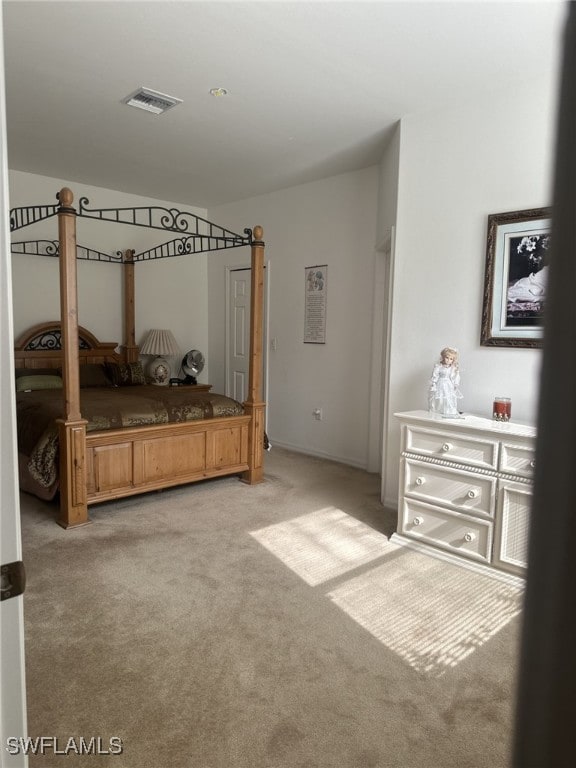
(443, 392)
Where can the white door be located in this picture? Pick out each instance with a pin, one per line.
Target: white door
(238, 334)
(12, 682)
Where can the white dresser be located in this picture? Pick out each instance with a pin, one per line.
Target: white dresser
(466, 488)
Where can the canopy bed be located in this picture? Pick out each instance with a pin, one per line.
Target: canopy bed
(113, 441)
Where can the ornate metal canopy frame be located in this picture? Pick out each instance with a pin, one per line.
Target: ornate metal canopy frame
(52, 248)
(197, 235)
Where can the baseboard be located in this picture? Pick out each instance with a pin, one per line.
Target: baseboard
(319, 454)
(391, 503)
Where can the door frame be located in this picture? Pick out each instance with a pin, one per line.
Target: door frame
(13, 721)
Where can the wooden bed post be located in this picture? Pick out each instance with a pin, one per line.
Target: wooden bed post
(72, 428)
(254, 405)
(131, 351)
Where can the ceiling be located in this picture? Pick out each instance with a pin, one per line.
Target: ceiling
(314, 88)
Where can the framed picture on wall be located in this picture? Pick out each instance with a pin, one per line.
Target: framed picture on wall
(316, 286)
(515, 278)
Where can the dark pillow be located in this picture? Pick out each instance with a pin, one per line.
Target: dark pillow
(94, 375)
(34, 383)
(125, 374)
(19, 372)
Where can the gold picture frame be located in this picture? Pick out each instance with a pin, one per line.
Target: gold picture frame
(515, 278)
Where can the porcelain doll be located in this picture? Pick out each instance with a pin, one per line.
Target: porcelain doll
(443, 391)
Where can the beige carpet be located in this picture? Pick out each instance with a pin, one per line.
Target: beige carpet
(432, 614)
(274, 626)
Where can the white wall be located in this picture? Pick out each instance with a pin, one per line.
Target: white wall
(170, 293)
(331, 222)
(456, 167)
(388, 188)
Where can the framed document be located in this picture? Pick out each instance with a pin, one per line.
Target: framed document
(315, 304)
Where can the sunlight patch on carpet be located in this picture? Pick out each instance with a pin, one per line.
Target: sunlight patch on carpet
(431, 613)
(323, 544)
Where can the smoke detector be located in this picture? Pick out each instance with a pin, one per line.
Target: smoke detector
(151, 101)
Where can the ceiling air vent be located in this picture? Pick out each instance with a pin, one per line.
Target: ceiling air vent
(151, 101)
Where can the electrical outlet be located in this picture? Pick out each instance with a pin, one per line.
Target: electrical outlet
(317, 413)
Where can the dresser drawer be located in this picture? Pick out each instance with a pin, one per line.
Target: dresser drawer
(475, 452)
(449, 530)
(463, 491)
(517, 459)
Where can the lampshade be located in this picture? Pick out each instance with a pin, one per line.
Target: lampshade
(160, 344)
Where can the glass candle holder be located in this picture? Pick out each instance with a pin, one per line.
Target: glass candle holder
(502, 409)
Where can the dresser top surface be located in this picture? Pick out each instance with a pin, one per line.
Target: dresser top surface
(469, 422)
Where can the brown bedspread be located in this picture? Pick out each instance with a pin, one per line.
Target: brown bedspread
(103, 408)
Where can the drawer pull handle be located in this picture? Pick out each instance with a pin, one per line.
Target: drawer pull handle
(418, 520)
(473, 493)
(469, 536)
(447, 447)
(420, 480)
(532, 463)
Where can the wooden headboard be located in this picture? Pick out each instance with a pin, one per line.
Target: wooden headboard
(41, 347)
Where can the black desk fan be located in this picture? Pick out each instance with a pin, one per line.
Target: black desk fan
(192, 365)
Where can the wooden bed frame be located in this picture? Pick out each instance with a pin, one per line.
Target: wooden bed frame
(109, 464)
